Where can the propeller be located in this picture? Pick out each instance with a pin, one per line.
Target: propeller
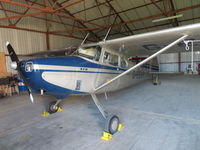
(17, 63)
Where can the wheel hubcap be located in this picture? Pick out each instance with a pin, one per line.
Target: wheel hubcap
(114, 124)
(54, 107)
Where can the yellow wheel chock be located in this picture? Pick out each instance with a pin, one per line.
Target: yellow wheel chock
(120, 127)
(106, 136)
(45, 114)
(59, 109)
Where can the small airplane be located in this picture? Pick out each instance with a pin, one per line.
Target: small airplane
(101, 67)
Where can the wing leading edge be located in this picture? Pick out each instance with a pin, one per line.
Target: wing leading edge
(150, 42)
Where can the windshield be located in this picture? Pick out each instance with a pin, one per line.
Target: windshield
(91, 52)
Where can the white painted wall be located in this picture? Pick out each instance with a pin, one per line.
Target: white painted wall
(168, 62)
(186, 60)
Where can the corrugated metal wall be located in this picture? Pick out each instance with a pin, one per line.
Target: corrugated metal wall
(61, 42)
(170, 62)
(25, 42)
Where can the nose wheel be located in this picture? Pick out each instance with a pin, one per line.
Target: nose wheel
(53, 107)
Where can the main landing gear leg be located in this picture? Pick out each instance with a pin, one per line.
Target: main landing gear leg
(112, 121)
(53, 106)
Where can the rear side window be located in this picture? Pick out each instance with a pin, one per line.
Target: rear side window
(110, 59)
(123, 63)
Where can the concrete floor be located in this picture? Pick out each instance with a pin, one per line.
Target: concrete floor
(163, 117)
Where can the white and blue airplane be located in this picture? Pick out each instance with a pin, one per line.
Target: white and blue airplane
(100, 67)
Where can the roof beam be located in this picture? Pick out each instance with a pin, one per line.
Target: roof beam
(25, 12)
(99, 4)
(173, 9)
(162, 11)
(24, 15)
(46, 11)
(68, 5)
(38, 17)
(5, 13)
(77, 20)
(160, 25)
(38, 31)
(156, 5)
(119, 16)
(137, 20)
(133, 8)
(49, 10)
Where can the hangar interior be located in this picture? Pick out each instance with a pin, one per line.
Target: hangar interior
(155, 117)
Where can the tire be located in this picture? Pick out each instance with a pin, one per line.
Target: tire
(51, 107)
(112, 123)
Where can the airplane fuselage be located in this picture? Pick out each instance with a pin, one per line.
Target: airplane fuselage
(63, 76)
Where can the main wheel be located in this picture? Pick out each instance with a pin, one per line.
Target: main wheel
(112, 123)
(52, 108)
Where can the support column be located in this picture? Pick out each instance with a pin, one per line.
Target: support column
(179, 61)
(47, 40)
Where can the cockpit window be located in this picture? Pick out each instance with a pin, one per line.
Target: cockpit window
(110, 59)
(91, 52)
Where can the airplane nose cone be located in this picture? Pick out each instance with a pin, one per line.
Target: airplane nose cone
(13, 65)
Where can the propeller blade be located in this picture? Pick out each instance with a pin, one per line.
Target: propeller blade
(12, 53)
(14, 58)
(25, 82)
(31, 97)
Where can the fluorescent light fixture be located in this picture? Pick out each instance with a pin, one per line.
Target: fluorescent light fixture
(167, 18)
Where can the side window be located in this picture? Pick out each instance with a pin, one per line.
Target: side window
(110, 59)
(123, 63)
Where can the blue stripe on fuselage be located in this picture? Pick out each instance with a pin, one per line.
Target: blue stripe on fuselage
(72, 61)
(79, 71)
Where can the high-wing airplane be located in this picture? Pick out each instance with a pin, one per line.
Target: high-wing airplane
(101, 67)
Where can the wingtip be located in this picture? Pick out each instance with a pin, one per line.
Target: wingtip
(7, 43)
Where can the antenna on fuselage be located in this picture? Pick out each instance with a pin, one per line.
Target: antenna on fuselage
(85, 39)
(107, 34)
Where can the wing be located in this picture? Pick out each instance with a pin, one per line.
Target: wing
(142, 62)
(150, 42)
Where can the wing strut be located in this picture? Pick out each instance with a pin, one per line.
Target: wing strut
(142, 62)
